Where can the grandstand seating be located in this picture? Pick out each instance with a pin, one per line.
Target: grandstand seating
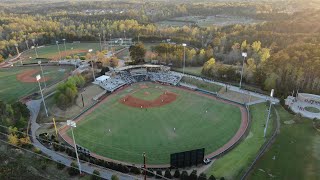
(124, 78)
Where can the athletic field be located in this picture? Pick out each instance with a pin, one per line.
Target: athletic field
(17, 82)
(122, 132)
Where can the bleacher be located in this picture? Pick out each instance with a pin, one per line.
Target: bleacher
(165, 77)
(129, 76)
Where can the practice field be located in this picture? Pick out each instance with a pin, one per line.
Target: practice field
(17, 82)
(119, 130)
(51, 51)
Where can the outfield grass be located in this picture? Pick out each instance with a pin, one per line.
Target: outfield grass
(295, 153)
(233, 164)
(12, 89)
(135, 130)
(201, 84)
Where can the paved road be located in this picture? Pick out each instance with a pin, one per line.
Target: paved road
(34, 107)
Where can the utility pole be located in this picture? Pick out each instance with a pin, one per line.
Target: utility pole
(38, 77)
(244, 55)
(45, 84)
(94, 78)
(144, 166)
(269, 112)
(17, 49)
(184, 56)
(65, 47)
(35, 47)
(100, 41)
(72, 124)
(26, 41)
(57, 42)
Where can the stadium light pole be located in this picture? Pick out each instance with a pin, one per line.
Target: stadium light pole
(269, 112)
(38, 77)
(94, 78)
(65, 47)
(244, 55)
(35, 47)
(144, 165)
(26, 41)
(57, 42)
(100, 41)
(73, 124)
(184, 56)
(45, 84)
(17, 49)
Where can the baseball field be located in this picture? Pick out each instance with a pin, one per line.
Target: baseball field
(17, 82)
(158, 120)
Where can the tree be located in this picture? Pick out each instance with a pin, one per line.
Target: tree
(184, 175)
(73, 169)
(13, 139)
(114, 177)
(95, 175)
(176, 173)
(159, 174)
(1, 58)
(193, 175)
(60, 166)
(212, 177)
(137, 53)
(167, 174)
(202, 176)
(256, 46)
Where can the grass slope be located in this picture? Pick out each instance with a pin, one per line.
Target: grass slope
(296, 152)
(236, 161)
(11, 89)
(135, 130)
(201, 84)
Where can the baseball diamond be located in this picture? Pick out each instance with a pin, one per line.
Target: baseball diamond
(128, 123)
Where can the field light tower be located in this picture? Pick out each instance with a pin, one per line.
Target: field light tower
(65, 47)
(100, 41)
(35, 47)
(38, 77)
(94, 78)
(244, 55)
(45, 84)
(184, 56)
(57, 42)
(269, 112)
(73, 124)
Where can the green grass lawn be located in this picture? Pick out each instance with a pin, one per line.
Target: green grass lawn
(135, 130)
(233, 164)
(312, 109)
(148, 94)
(294, 155)
(50, 51)
(11, 89)
(190, 70)
(202, 84)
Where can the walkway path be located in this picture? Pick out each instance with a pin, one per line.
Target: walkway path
(34, 107)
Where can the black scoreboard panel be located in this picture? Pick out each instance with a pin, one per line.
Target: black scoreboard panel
(187, 158)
